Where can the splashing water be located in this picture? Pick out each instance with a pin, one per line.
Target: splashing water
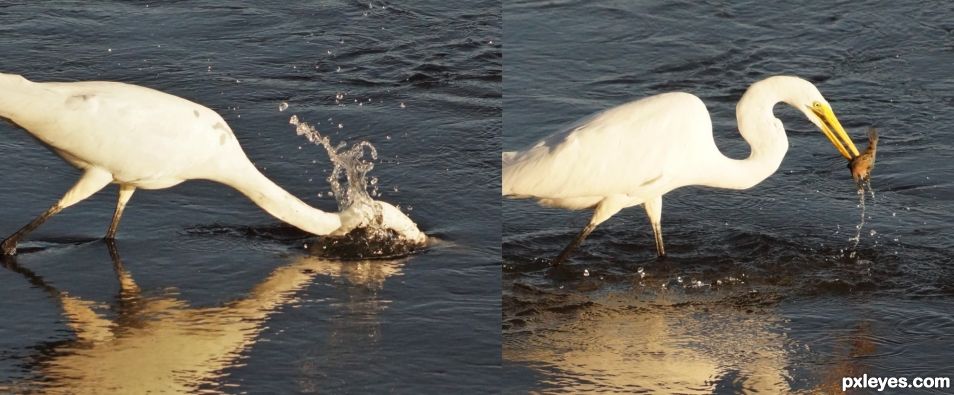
(348, 179)
(369, 229)
(856, 239)
(369, 236)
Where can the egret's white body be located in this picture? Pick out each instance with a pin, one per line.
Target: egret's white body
(637, 152)
(139, 137)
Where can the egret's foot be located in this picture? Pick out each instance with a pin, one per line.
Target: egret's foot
(9, 247)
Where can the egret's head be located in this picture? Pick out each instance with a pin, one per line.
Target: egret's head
(384, 217)
(816, 108)
(375, 231)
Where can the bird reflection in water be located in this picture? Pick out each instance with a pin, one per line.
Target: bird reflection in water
(161, 344)
(615, 343)
(655, 349)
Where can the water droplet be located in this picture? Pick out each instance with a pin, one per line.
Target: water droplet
(402, 105)
(283, 107)
(586, 272)
(340, 126)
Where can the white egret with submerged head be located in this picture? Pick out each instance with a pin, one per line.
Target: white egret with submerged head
(637, 152)
(141, 138)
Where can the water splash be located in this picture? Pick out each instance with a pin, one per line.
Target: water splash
(369, 229)
(856, 239)
(348, 179)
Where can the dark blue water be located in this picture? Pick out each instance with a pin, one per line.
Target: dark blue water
(217, 296)
(758, 293)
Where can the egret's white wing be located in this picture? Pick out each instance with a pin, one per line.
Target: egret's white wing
(136, 129)
(624, 150)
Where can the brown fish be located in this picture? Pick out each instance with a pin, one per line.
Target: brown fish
(862, 164)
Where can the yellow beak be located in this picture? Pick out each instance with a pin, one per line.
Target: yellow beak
(835, 133)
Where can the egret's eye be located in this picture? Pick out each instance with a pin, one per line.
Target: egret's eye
(817, 105)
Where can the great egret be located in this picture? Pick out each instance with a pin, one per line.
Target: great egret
(635, 153)
(138, 137)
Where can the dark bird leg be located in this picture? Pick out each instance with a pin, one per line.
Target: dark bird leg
(573, 244)
(604, 209)
(89, 183)
(654, 211)
(125, 192)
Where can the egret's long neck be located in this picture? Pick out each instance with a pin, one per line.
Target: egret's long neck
(764, 134)
(281, 204)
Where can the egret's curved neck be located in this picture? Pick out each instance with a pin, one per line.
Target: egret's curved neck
(762, 131)
(281, 204)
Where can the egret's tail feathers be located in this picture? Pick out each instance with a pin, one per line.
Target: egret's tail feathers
(508, 157)
(507, 160)
(11, 94)
(11, 80)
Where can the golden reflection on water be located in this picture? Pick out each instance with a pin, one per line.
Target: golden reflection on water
(655, 349)
(163, 345)
(618, 344)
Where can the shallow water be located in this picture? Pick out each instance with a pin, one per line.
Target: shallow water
(236, 295)
(758, 292)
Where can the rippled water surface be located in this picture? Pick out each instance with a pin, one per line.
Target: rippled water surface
(758, 293)
(204, 292)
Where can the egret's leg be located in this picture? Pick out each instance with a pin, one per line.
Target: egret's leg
(654, 211)
(125, 192)
(573, 244)
(91, 181)
(604, 209)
